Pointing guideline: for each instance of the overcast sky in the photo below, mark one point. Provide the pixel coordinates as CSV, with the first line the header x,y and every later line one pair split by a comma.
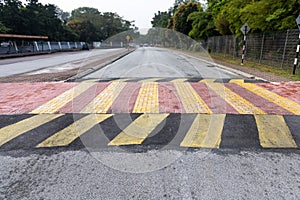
x,y
141,11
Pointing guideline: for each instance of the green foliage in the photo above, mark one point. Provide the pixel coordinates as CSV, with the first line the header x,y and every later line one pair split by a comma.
x,y
161,19
34,18
271,15
228,16
3,29
181,23
263,15
102,25
202,25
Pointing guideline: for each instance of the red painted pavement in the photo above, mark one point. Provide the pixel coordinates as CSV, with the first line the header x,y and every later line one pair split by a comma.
x,y
258,101
290,90
19,98
212,100
169,101
126,100
81,101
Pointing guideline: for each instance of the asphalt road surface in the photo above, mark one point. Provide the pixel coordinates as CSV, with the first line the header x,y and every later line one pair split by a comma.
x,y
194,138
9,67
148,62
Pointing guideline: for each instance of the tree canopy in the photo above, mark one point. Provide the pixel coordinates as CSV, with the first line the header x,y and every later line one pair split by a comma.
x,y
224,17
83,24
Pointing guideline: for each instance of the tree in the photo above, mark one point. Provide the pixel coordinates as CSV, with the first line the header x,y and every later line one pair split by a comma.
x,y
33,18
181,23
161,19
104,25
10,16
263,15
63,16
84,29
202,25
178,3
271,15
3,29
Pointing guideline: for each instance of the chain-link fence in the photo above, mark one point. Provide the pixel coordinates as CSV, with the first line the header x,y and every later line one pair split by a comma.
x,y
275,49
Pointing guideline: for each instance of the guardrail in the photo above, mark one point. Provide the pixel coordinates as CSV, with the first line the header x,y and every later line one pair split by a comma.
x,y
12,47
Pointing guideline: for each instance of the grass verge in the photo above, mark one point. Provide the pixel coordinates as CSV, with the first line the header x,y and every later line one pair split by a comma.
x,y
286,73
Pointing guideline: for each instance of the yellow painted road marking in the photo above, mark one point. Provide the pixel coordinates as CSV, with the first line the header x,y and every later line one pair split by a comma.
x,y
207,81
147,100
137,131
205,132
273,132
191,101
179,80
105,99
236,81
75,130
61,100
240,104
275,98
150,80
12,131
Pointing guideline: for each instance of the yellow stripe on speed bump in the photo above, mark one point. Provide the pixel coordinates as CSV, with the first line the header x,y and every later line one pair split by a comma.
x,y
75,130
150,80
191,101
236,81
147,100
275,98
58,102
205,132
179,80
239,103
105,99
12,131
207,81
273,132
137,131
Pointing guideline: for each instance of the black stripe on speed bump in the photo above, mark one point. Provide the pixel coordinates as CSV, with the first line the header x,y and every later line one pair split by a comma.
x,y
255,81
293,122
107,80
35,136
194,80
6,120
166,80
168,132
240,132
100,135
224,80
136,79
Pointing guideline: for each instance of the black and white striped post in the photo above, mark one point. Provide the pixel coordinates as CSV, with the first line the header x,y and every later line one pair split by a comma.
x,y
298,48
244,49
245,29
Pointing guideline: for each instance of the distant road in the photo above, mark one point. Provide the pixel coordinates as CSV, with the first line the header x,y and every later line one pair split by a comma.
x,y
155,62
22,65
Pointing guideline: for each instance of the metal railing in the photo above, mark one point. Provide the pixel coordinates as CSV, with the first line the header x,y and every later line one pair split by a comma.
x,y
13,47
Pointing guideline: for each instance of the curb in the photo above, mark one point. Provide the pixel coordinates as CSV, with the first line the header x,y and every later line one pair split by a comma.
x,y
89,71
249,76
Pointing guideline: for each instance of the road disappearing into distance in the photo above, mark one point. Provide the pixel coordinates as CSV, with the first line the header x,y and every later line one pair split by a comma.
x,y
149,62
